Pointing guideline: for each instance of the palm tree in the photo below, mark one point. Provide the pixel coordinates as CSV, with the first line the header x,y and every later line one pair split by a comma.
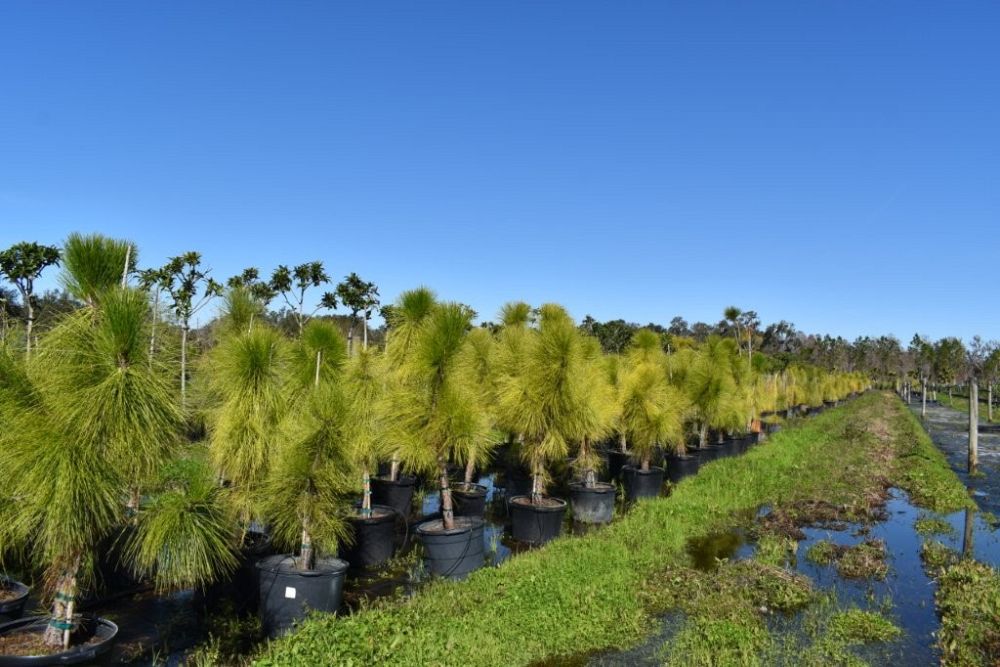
x,y
86,420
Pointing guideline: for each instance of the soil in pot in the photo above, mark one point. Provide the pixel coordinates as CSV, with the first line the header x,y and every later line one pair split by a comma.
x,y
679,467
373,538
642,483
536,523
469,499
21,642
594,504
287,594
13,598
395,494
454,552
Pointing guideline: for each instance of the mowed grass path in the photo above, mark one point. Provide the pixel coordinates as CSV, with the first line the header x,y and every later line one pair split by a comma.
x,y
586,593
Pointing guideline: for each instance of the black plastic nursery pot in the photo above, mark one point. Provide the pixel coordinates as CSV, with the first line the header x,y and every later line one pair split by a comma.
x,y
617,459
729,447
455,552
396,494
708,453
592,504
642,483
288,594
373,538
91,644
469,499
17,597
536,524
679,467
772,427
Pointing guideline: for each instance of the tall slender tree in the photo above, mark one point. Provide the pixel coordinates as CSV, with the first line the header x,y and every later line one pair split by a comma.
x,y
293,283
361,298
190,289
22,264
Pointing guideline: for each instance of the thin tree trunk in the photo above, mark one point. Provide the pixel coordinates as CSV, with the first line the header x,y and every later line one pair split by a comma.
x,y
394,468
703,436
30,326
967,534
184,339
589,476
366,496
306,552
365,344
622,444
152,328
537,486
350,340
923,392
319,363
447,508
973,426
59,630
989,403
470,470
644,466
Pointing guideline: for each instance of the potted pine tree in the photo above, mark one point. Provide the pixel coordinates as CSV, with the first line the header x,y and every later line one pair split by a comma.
x,y
712,391
99,414
651,413
404,320
435,417
307,483
545,400
593,502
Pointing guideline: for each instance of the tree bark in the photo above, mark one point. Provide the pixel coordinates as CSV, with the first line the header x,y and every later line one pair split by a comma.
x,y
184,338
30,326
703,436
59,630
967,534
350,340
306,553
644,465
365,343
973,426
394,468
923,394
366,496
447,508
537,486
470,470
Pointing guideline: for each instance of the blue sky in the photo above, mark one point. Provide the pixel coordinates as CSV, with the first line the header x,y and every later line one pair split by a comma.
x,y
835,164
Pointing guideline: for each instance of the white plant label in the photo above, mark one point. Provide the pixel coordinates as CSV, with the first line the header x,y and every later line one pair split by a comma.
x,y
289,592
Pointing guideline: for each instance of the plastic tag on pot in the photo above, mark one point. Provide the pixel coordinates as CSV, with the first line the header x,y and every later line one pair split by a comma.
x,y
289,592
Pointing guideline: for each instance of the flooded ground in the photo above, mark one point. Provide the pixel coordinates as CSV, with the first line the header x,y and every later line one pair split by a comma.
x,y
905,595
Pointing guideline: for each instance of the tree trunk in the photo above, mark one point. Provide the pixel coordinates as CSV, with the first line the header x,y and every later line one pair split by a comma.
x,y
152,328
537,486
447,508
30,325
470,470
350,340
306,553
703,436
973,426
989,403
923,399
365,344
394,468
184,340
589,476
622,445
967,534
366,496
644,466
319,364
60,627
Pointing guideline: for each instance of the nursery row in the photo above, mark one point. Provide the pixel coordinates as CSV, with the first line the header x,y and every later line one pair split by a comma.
x,y
277,442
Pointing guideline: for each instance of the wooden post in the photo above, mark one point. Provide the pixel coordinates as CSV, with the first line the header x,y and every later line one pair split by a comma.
x,y
973,426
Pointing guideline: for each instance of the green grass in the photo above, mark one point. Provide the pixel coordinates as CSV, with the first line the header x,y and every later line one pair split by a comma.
x,y
857,626
581,594
968,601
932,525
961,404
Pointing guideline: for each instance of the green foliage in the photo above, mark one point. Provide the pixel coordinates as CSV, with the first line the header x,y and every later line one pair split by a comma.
x,y
858,626
579,594
183,537
94,264
968,602
932,525
711,387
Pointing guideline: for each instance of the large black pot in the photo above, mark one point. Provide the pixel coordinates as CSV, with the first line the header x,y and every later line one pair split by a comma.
x,y
642,483
395,494
536,524
617,459
708,453
594,504
452,553
469,499
729,447
517,482
679,467
772,427
87,650
373,538
12,609
288,594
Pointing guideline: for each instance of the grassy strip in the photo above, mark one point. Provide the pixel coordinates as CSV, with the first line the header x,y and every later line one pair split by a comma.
x,y
582,594
962,405
968,600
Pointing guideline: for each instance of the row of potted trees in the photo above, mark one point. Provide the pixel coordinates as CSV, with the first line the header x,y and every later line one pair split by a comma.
x,y
94,450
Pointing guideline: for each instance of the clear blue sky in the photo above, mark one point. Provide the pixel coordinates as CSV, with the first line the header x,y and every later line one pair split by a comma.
x,y
836,164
